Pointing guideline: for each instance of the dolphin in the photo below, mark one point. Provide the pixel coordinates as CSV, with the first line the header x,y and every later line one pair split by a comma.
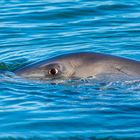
x,y
80,65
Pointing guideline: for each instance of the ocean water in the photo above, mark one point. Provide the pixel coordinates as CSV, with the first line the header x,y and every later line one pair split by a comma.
x,y
78,110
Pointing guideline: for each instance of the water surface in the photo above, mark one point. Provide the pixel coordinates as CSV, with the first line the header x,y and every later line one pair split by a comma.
x,y
37,30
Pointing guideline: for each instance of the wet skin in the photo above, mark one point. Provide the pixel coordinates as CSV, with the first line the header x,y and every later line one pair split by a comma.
x,y
80,65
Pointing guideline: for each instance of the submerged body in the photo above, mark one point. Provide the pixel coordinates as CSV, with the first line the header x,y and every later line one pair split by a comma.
x,y
82,65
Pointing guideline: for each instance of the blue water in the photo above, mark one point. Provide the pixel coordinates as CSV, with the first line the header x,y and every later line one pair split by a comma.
x,y
37,30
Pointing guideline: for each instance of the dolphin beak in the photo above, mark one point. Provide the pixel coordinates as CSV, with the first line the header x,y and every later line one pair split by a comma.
x,y
30,74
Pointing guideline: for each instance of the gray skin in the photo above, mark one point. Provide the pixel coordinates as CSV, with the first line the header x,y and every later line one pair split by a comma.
x,y
82,65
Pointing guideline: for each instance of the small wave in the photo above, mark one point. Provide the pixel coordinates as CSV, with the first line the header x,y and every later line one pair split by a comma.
x,y
69,138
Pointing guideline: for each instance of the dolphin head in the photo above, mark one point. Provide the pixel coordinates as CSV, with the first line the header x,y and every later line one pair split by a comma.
x,y
55,68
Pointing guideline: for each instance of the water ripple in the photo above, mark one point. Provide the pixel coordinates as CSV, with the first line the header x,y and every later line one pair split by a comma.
x,y
37,30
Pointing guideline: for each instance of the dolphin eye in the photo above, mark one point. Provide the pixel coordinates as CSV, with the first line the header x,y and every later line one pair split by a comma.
x,y
53,71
